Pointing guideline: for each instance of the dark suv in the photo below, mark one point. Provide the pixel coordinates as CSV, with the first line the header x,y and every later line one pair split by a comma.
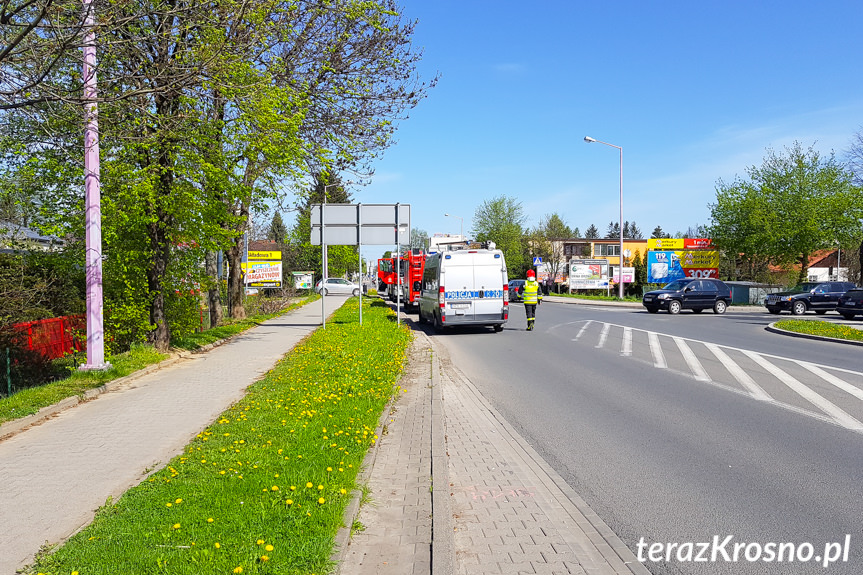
x,y
694,294
851,303
516,290
819,297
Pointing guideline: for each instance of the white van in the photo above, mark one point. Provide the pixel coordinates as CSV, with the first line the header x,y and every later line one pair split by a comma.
x,y
465,287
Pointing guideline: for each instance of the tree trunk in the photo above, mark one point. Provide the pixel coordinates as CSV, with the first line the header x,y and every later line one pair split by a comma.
x,y
214,297
160,337
804,269
235,280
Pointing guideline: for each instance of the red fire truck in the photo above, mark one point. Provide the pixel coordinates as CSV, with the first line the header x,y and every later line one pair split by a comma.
x,y
386,275
412,266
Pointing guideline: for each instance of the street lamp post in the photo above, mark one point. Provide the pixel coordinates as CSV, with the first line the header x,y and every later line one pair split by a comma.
x,y
589,140
461,224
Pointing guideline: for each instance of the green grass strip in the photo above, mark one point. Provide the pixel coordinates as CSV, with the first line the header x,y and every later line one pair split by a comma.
x,y
31,400
822,328
264,488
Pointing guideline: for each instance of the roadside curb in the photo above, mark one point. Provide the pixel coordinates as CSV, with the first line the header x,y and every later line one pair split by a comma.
x,y
772,328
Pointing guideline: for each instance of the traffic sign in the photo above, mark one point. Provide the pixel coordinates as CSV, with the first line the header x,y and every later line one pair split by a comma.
x,y
537,261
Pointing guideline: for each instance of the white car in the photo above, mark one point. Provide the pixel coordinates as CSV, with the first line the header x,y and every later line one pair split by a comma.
x,y
338,285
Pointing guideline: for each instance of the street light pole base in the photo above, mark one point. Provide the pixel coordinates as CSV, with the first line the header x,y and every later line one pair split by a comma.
x,y
95,367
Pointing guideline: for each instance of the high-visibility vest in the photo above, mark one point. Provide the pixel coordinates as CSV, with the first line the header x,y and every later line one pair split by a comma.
x,y
531,293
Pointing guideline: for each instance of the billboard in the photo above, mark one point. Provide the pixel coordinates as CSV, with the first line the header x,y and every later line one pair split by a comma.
x,y
588,274
679,244
667,266
264,269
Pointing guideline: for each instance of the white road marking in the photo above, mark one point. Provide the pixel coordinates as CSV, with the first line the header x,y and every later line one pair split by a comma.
x,y
838,415
656,350
694,365
830,378
739,374
626,344
603,335
581,331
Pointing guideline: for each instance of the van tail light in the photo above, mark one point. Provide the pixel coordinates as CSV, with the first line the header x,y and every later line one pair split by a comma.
x,y
440,301
505,296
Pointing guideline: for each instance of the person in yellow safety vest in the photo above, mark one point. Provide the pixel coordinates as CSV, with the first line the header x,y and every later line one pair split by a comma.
x,y
532,295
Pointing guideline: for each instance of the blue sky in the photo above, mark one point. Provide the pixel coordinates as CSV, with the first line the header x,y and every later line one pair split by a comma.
x,y
692,91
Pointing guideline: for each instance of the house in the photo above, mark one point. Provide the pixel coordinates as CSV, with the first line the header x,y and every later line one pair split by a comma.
x,y
15,237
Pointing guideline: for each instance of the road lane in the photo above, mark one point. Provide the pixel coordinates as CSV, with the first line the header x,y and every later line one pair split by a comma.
x,y
661,455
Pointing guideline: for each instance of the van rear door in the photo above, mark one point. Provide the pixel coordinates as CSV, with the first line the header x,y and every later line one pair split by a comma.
x,y
488,282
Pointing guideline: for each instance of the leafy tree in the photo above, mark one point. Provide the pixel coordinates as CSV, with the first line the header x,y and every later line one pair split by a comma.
x,y
546,243
640,266
795,203
502,220
592,233
419,238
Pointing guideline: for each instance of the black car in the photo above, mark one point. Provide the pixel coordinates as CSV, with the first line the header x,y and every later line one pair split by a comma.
x,y
694,294
850,303
516,290
819,297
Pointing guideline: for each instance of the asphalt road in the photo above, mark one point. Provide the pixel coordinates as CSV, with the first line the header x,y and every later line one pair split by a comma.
x,y
679,429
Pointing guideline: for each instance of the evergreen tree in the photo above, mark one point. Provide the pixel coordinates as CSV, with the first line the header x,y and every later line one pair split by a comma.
x,y
277,231
613,230
592,233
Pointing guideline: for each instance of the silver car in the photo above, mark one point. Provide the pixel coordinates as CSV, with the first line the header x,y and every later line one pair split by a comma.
x,y
338,285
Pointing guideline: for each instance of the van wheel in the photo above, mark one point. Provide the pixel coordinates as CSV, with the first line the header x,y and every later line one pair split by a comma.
x,y
720,306
498,327
674,307
438,324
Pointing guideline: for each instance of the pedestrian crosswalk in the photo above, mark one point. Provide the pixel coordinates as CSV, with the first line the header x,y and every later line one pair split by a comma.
x,y
824,392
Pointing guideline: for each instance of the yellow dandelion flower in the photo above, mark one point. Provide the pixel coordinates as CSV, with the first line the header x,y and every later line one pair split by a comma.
x,y
329,468
269,548
275,488
260,541
321,500
293,487
309,485
289,502
343,490
168,504
178,501
320,487
238,569
218,546
264,558
176,525
210,519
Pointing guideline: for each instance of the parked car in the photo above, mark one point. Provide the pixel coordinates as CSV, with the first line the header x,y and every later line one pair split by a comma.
x,y
516,290
338,285
819,297
850,303
695,294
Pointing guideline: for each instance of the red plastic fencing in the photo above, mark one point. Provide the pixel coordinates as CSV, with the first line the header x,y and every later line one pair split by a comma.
x,y
54,337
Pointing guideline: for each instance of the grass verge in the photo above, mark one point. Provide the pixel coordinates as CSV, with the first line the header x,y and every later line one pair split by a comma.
x,y
31,400
264,488
822,328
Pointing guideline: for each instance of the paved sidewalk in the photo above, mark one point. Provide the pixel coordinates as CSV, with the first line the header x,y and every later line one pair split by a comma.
x,y
455,489
54,475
